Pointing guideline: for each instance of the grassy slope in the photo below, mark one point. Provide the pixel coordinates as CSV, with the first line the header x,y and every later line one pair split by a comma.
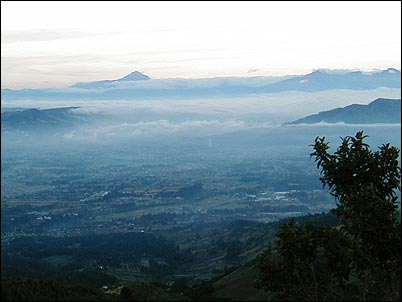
x,y
239,285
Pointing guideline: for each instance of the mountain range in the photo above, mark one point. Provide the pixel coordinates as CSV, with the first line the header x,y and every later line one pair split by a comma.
x,y
34,119
323,80
378,111
137,85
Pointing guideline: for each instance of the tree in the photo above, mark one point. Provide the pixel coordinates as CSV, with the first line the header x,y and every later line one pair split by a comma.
x,y
364,184
361,258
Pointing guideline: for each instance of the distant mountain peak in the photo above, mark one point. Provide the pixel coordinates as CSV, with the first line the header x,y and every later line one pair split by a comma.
x,y
328,71
392,70
316,72
134,76
320,73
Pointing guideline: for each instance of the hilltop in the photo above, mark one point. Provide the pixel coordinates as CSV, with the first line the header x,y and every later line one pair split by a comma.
x,y
378,111
36,119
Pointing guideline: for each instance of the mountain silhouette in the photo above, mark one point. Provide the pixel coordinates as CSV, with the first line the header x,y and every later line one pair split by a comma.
x,y
379,111
132,86
324,80
34,119
133,76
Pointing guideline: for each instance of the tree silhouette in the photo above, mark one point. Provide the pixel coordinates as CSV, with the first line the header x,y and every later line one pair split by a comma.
x,y
361,258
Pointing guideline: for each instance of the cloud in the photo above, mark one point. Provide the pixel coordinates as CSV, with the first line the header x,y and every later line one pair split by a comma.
x,y
86,110
154,129
41,36
272,109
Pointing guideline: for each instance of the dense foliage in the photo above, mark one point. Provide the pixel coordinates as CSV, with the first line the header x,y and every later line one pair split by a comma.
x,y
361,258
82,260
23,289
29,289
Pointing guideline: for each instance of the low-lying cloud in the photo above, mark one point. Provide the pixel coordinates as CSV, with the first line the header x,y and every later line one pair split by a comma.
x,y
155,129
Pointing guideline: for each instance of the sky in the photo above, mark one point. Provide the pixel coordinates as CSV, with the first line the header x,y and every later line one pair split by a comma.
x,y
59,43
